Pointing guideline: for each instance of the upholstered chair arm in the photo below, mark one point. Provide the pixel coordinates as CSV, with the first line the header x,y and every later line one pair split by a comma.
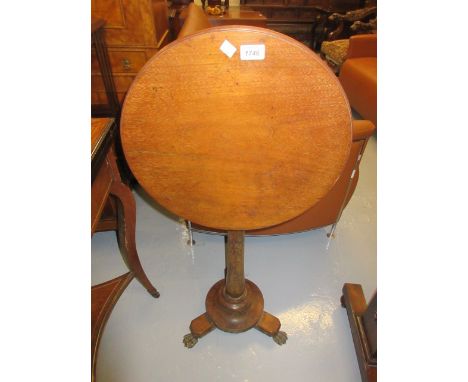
x,y
362,129
364,45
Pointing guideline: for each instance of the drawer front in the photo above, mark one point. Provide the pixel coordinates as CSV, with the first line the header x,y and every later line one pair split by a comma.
x,y
121,83
100,98
127,61
121,61
125,64
100,192
98,92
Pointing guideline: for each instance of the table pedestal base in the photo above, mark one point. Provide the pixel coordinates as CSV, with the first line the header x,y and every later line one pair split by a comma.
x,y
234,315
234,304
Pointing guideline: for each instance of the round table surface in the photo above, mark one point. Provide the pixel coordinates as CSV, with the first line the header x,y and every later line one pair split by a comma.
x,y
234,143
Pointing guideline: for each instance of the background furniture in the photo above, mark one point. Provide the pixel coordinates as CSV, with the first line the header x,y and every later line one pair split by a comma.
x,y
103,299
363,322
329,209
358,75
231,162
304,20
134,31
239,16
300,19
193,18
340,27
112,108
352,22
211,3
106,183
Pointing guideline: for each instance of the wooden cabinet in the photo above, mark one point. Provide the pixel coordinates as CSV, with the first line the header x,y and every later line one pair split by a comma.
x,y
299,18
134,31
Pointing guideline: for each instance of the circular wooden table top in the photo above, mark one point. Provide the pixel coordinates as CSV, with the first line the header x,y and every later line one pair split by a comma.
x,y
236,144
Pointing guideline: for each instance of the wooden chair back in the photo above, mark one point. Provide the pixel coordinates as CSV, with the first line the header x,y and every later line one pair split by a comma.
x,y
196,20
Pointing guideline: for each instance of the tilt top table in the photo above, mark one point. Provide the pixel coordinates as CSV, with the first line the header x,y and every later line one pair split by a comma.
x,y
237,128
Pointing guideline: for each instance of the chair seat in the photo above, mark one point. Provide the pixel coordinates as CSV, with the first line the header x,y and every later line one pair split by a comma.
x,y
358,76
364,68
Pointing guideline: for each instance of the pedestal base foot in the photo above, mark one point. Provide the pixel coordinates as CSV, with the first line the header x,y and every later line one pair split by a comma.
x,y
234,304
280,338
270,325
199,327
235,319
189,340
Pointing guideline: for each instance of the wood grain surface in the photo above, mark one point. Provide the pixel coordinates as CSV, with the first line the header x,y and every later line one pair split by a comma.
x,y
99,129
103,299
236,144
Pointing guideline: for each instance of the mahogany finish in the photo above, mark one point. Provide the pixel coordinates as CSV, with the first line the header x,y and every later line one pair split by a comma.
x,y
328,210
234,304
235,284
103,67
106,182
226,143
103,299
363,323
100,130
300,19
106,186
108,219
134,30
303,20
231,155
239,16
232,16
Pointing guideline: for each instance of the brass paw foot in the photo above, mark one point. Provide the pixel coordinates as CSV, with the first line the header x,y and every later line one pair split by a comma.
x,y
280,338
190,341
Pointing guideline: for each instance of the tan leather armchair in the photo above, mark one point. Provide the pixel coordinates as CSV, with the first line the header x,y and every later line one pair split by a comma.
x,y
358,75
329,209
195,21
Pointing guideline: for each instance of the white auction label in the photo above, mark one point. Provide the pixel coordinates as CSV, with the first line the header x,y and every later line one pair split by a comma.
x,y
252,52
227,48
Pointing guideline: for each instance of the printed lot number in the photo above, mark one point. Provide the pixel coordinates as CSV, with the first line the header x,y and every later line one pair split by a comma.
x,y
252,52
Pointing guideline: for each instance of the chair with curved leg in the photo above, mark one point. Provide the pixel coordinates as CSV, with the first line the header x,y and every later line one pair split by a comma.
x,y
106,183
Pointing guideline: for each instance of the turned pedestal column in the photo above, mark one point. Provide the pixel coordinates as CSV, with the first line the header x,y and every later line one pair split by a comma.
x,y
234,304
